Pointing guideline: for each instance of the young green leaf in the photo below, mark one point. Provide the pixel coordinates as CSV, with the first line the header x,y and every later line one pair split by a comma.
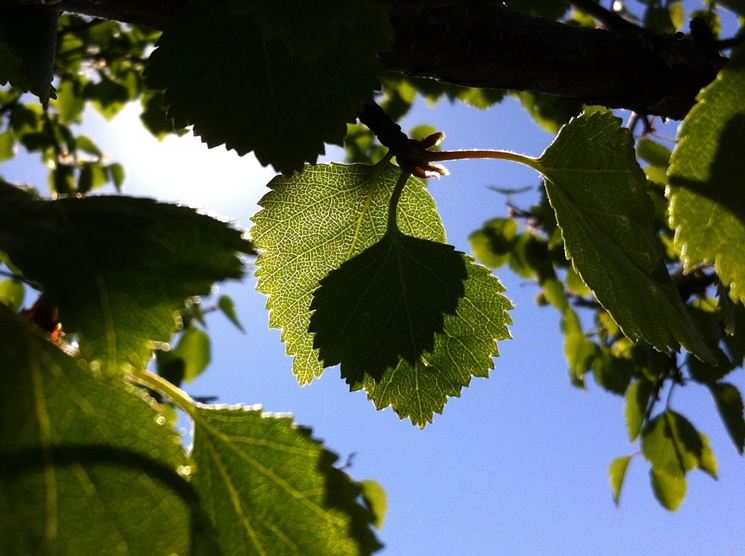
x,y
28,40
730,406
637,400
617,474
221,72
374,497
312,222
707,201
117,268
385,303
669,488
226,304
194,349
270,488
12,293
81,457
598,192
672,444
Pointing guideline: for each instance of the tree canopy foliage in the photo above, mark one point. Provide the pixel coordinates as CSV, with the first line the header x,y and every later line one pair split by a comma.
x,y
638,246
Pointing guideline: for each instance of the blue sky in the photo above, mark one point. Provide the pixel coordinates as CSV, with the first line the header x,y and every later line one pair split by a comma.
x,y
518,464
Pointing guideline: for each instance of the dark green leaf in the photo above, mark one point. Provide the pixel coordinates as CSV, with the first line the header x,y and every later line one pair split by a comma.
x,y
7,146
599,194
70,102
385,303
92,176
547,9
705,177
730,406
253,103
227,306
270,488
653,153
118,268
637,401
81,456
617,473
493,242
194,349
550,112
28,40
116,174
108,96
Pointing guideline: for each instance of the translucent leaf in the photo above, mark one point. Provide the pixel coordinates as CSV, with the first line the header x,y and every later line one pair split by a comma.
x,y
617,474
669,488
637,401
653,153
550,112
81,456
270,488
599,194
374,497
28,40
730,406
385,303
118,268
7,146
707,197
194,349
493,242
312,222
240,88
708,461
12,293
672,444
227,306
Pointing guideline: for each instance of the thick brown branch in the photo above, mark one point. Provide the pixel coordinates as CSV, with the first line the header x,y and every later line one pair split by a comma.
x,y
482,44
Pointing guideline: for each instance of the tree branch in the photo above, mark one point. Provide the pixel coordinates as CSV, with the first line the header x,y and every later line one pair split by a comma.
x,y
480,43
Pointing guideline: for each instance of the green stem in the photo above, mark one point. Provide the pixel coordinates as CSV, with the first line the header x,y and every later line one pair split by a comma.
x,y
395,197
176,394
484,153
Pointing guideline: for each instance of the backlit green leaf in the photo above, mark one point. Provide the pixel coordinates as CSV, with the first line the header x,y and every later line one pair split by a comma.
x,y
118,268
374,497
707,191
270,488
227,306
80,456
673,445
730,406
617,473
637,401
313,222
7,146
12,293
241,88
194,349
599,194
669,488
385,303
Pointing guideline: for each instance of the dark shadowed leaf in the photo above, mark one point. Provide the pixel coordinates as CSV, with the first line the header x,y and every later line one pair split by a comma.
x,y
385,303
270,488
194,349
80,456
599,194
241,87
28,39
637,401
118,268
730,406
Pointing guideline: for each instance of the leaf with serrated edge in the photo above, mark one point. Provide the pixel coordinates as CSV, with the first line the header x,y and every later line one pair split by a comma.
x,y
239,88
117,268
706,191
598,192
270,488
385,303
72,449
311,223
617,474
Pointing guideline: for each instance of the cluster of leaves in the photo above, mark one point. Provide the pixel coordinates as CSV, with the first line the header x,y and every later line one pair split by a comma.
x,y
355,264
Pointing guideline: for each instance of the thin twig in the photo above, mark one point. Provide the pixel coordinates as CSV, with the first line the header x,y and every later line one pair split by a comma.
x,y
22,279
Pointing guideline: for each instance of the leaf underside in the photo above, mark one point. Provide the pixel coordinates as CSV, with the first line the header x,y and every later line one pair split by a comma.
x,y
270,488
707,179
117,268
237,81
598,192
72,447
313,222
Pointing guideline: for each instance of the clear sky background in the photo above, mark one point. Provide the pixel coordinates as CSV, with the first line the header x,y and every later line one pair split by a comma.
x,y
518,464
